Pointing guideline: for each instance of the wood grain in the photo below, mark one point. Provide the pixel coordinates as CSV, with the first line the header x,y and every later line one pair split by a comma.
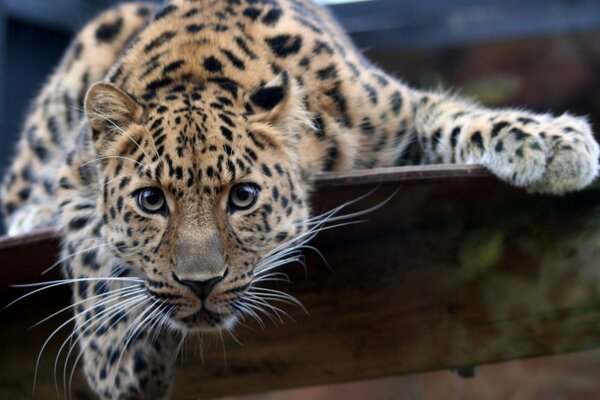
x,y
456,270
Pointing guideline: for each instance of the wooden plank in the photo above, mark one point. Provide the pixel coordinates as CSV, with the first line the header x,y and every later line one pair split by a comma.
x,y
456,270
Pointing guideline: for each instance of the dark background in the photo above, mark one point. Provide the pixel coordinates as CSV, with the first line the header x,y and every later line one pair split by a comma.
x,y
543,54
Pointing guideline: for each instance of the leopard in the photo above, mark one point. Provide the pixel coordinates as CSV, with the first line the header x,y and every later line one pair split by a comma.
x,y
176,146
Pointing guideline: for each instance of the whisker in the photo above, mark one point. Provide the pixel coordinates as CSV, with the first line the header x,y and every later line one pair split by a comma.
x,y
143,301
56,264
153,142
178,348
80,331
256,298
113,294
258,302
115,157
277,295
53,284
122,131
137,326
68,321
244,308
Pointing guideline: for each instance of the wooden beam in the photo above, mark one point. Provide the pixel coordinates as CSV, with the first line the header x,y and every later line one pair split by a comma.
x,y
456,270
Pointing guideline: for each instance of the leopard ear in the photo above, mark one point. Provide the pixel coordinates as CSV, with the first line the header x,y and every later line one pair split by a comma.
x,y
109,110
277,101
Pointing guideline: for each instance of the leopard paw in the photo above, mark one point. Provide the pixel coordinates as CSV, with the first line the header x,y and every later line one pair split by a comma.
x,y
553,156
572,162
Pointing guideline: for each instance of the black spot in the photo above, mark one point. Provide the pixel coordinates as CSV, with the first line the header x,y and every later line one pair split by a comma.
x,y
499,148
191,13
82,289
367,127
281,236
195,28
211,64
535,146
498,127
174,66
139,363
54,130
24,193
244,47
272,16
251,13
165,11
322,47
319,126
285,45
227,120
77,50
331,161
266,170
520,152
231,169
158,84
107,32
519,134
336,96
396,102
27,173
210,172
454,136
227,133
527,121
435,139
226,84
237,62
143,12
90,260
477,140
329,72
78,223
269,97
372,93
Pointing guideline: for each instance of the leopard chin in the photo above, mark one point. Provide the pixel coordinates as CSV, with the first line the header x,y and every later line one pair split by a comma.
x,y
204,320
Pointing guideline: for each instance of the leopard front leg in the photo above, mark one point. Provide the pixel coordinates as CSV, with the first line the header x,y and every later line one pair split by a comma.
x,y
539,152
118,369
124,354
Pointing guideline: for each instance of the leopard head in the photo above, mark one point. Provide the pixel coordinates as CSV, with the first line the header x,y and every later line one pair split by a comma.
x,y
202,191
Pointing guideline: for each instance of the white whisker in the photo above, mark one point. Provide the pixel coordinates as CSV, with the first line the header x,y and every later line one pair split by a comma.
x,y
53,284
113,294
56,264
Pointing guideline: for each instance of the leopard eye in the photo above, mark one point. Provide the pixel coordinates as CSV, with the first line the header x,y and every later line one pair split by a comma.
x,y
151,200
243,196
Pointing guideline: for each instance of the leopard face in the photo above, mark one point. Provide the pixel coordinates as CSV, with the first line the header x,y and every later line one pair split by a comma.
x,y
198,188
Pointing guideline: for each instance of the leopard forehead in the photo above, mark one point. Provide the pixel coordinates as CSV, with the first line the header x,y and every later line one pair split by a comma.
x,y
198,142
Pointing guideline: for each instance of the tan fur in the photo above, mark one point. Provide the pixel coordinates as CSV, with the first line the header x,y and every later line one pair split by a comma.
x,y
196,101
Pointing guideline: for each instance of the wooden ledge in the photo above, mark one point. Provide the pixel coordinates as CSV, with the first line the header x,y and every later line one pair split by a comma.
x,y
458,269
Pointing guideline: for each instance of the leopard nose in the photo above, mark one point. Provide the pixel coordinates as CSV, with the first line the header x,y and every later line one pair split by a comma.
x,y
202,288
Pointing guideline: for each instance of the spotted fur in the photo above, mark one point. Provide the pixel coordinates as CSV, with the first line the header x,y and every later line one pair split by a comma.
x,y
195,98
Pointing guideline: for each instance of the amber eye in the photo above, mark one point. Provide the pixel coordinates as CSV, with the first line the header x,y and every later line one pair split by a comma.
x,y
151,200
243,196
